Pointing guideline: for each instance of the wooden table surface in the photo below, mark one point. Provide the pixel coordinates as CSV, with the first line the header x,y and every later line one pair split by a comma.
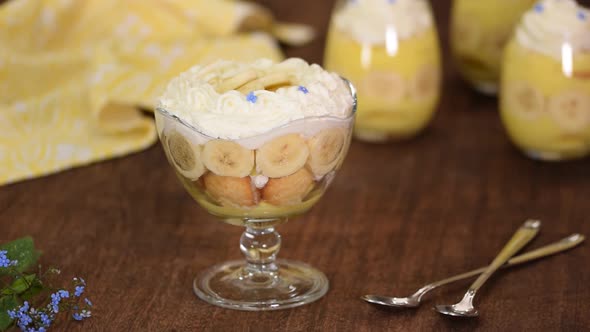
x,y
396,217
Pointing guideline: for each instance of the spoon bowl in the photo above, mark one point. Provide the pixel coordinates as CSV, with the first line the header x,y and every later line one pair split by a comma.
x,y
451,310
400,302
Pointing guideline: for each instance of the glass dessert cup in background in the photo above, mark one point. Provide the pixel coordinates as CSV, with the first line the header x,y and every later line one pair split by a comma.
x,y
398,77
545,95
479,32
545,101
301,159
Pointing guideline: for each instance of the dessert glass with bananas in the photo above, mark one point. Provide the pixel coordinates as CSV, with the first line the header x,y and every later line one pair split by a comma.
x,y
389,50
256,144
545,94
479,32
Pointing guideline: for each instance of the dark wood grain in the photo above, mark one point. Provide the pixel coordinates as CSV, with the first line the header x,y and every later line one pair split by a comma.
x,y
397,216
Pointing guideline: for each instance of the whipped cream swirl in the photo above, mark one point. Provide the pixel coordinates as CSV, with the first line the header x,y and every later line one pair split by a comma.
x,y
232,115
371,21
552,25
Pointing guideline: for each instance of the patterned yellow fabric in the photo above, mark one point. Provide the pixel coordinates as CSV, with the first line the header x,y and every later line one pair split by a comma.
x,y
74,72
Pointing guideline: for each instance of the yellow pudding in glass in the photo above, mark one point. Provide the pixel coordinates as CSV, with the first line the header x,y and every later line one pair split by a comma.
x,y
390,51
545,95
479,32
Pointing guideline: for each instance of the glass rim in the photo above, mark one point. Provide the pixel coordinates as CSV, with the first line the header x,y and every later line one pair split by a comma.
x,y
163,111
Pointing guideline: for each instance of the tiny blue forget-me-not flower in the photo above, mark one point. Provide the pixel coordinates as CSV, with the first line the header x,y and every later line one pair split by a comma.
x,y
78,291
5,261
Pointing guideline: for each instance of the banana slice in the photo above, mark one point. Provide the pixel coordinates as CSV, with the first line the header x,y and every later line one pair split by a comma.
x,y
268,80
425,84
383,85
227,158
289,190
210,72
282,156
524,100
571,110
325,150
184,155
237,80
231,191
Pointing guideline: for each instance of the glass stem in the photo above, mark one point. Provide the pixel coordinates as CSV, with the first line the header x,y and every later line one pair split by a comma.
x,y
260,247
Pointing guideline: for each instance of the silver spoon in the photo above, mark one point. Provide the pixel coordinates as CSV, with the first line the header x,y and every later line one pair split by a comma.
x,y
521,237
414,300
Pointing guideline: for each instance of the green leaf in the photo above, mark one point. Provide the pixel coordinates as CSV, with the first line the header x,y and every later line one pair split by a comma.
x,y
32,292
20,285
23,250
6,303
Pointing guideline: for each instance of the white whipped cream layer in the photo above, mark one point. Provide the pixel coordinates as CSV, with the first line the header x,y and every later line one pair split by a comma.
x,y
553,27
374,21
233,115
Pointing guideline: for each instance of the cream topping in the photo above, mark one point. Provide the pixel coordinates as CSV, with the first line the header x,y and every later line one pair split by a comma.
x,y
375,21
232,115
553,27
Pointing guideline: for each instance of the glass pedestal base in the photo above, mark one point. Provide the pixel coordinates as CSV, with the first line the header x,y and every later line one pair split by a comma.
x,y
233,285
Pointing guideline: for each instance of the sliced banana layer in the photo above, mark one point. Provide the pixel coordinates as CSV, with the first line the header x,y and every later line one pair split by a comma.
x,y
524,100
289,190
231,191
570,110
387,86
227,158
325,150
185,156
425,84
282,156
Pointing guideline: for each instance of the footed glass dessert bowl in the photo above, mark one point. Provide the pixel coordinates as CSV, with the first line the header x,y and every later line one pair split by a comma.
x,y
257,176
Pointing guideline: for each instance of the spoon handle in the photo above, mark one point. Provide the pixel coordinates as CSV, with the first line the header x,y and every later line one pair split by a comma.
x,y
521,237
550,249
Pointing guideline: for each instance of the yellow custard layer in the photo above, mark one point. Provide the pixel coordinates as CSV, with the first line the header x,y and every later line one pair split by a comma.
x,y
479,31
398,87
545,107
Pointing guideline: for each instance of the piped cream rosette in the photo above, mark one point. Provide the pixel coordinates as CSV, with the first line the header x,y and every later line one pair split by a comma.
x,y
260,132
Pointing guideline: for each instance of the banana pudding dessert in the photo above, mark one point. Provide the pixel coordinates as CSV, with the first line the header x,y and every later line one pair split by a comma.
x,y
545,95
255,141
390,51
479,32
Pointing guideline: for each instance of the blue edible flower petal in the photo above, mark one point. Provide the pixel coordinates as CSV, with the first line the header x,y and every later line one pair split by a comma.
x,y
251,97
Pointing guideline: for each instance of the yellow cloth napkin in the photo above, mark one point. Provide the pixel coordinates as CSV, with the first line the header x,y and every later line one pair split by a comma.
x,y
74,72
